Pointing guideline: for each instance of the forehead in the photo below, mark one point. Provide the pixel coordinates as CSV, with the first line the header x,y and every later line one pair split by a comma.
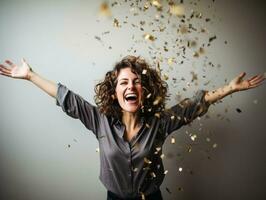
x,y
126,73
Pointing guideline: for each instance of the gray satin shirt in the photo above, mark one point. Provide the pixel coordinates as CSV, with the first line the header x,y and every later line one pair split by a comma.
x,y
132,168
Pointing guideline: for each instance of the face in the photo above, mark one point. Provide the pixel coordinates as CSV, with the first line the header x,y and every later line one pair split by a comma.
x,y
128,90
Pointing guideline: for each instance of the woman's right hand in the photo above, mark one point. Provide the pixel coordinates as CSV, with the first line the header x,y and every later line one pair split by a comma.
x,y
15,71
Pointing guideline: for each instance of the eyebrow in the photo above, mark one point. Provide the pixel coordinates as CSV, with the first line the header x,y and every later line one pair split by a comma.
x,y
126,79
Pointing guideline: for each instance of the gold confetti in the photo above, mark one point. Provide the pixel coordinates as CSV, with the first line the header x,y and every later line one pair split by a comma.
x,y
177,10
149,37
153,174
208,139
162,156
157,100
158,148
144,71
147,125
146,160
135,169
170,61
183,29
142,196
172,140
166,171
97,150
180,169
157,4
104,9
214,145
172,117
193,137
196,54
157,115
116,23
148,96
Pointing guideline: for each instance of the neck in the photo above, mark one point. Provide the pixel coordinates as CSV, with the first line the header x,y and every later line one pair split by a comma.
x,y
131,120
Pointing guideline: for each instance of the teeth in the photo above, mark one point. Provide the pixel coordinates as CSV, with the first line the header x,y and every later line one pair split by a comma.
x,y
131,95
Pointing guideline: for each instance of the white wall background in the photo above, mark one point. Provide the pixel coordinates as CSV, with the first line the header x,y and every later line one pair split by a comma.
x,y
57,38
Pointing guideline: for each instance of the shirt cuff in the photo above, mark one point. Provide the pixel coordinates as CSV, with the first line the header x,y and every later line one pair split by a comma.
x,y
61,94
202,103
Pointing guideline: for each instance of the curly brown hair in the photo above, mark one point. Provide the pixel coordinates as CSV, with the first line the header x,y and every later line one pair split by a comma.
x,y
154,88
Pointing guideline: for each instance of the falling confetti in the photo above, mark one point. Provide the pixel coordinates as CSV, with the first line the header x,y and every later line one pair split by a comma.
x,y
172,140
104,9
177,10
149,37
238,110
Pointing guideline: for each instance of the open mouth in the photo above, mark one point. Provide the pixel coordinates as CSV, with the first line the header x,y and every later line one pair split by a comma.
x,y
131,98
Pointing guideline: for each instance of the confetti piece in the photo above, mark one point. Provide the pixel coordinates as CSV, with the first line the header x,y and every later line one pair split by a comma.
x,y
162,156
144,71
157,3
153,174
167,189
193,137
180,169
166,171
238,110
104,9
158,148
172,140
157,115
212,38
157,100
135,169
214,145
97,150
149,37
177,10
146,160
116,23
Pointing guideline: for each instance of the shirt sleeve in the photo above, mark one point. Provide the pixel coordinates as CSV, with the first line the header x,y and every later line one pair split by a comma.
x,y
185,112
75,106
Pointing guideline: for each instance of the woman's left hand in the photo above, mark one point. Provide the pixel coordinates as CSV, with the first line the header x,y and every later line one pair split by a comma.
x,y
238,84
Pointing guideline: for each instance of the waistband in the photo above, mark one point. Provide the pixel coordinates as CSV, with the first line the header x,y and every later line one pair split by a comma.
x,y
153,196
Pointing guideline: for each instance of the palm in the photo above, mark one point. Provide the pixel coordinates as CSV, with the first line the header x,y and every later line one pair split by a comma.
x,y
14,70
238,84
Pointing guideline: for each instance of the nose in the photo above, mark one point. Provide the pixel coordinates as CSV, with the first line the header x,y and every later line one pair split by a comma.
x,y
131,85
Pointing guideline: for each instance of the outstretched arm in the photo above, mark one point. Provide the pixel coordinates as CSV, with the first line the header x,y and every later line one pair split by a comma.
x,y
236,85
25,72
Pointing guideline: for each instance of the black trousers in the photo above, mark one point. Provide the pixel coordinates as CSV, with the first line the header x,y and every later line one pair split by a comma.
x,y
154,196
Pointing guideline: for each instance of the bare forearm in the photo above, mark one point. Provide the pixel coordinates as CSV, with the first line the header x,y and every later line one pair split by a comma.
x,y
215,95
46,85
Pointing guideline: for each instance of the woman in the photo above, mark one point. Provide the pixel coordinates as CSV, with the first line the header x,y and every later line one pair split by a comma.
x,y
130,121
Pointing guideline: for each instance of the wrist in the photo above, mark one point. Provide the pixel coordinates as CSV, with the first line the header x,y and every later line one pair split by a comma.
x,y
30,75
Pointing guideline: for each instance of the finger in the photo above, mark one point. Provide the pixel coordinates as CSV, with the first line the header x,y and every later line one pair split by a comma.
x,y
257,85
5,74
257,81
240,76
10,63
24,61
5,69
252,78
257,78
